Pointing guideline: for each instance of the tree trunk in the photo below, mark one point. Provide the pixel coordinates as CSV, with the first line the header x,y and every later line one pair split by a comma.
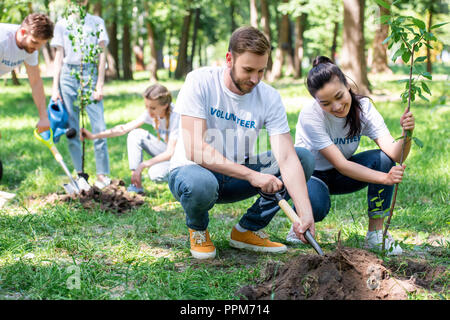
x,y
430,20
265,24
182,62
169,46
112,52
153,63
380,58
138,51
126,43
334,43
300,26
353,59
48,51
194,39
283,52
253,14
233,20
98,8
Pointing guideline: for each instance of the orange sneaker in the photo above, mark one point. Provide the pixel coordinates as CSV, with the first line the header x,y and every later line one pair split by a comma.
x,y
255,241
201,245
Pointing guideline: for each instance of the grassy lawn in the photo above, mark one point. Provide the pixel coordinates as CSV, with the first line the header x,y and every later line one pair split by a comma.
x,y
144,254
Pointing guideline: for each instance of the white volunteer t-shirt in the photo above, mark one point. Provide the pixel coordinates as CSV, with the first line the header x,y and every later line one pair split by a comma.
x,y
233,121
174,123
11,56
92,24
317,129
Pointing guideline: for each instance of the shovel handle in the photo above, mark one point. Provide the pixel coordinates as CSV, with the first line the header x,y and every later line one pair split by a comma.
x,y
284,205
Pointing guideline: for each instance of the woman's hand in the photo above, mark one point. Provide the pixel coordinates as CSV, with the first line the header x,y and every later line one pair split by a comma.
x,y
136,177
407,121
395,175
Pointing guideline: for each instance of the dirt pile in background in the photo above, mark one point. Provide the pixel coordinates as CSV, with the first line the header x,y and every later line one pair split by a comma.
x,y
113,198
345,274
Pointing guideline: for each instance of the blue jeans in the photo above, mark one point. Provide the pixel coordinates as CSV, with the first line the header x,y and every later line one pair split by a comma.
x,y
198,189
69,85
324,183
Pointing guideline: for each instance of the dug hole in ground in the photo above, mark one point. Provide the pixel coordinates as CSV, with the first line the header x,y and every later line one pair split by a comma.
x,y
344,274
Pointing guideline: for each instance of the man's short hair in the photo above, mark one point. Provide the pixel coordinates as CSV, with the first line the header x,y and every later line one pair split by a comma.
x,y
249,39
39,25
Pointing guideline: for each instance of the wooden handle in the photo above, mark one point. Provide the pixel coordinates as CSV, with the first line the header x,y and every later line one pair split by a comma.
x,y
284,205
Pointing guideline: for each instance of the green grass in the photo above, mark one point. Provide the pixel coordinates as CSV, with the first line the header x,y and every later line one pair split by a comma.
x,y
144,254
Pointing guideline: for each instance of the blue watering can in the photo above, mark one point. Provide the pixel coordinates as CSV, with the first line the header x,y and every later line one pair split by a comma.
x,y
58,118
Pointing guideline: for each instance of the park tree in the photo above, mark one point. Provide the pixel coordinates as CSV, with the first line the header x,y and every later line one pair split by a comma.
x,y
265,28
153,61
353,57
380,57
283,52
126,41
182,62
254,13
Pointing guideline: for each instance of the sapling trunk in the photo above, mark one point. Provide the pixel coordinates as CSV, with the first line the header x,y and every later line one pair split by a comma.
x,y
405,137
82,113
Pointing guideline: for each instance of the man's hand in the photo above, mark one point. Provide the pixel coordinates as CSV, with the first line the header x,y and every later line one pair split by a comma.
x,y
307,222
56,96
98,93
86,134
266,182
43,125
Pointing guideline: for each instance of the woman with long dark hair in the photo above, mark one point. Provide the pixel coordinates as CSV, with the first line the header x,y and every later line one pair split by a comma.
x,y
331,128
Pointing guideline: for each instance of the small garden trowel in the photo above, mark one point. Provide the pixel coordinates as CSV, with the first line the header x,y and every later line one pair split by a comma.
x,y
75,186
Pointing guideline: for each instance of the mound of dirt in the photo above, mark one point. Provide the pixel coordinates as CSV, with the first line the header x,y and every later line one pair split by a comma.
x,y
113,198
345,274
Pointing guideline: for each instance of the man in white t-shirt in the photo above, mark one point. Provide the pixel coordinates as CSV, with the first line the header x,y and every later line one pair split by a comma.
x,y
66,85
222,111
20,44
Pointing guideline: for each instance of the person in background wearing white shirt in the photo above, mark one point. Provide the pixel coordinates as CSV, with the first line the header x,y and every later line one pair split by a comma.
x,y
65,88
222,110
159,115
20,44
331,128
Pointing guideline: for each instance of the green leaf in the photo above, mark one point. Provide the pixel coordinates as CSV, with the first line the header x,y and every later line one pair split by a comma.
x,y
419,23
385,18
383,4
418,142
438,25
425,88
423,97
405,56
427,75
398,53
420,59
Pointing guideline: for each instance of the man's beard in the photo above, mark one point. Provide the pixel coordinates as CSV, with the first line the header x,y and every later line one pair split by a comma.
x,y
238,83
22,45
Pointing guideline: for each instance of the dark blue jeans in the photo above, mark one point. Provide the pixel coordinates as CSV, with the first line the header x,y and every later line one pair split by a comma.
x,y
198,189
324,183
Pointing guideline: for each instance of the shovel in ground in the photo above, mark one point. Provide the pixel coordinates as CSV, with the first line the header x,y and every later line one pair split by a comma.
x,y
46,138
284,205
